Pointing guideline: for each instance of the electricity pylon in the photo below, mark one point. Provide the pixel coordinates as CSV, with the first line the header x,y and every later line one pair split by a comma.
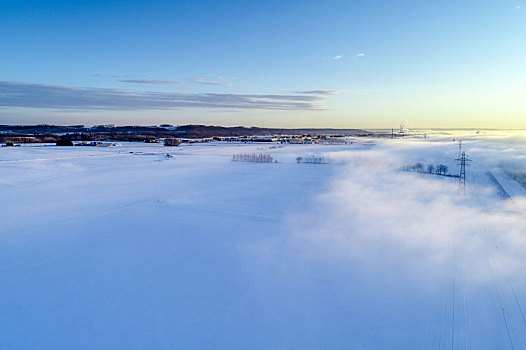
x,y
463,161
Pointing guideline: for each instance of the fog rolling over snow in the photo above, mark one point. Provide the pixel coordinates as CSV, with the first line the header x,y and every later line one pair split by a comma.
x,y
107,249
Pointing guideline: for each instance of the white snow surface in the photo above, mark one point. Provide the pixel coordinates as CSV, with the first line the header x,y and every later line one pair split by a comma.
x,y
125,248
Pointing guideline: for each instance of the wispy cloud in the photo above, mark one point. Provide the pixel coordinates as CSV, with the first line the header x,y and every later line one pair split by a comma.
x,y
15,94
337,57
517,7
339,92
149,81
323,92
361,54
128,76
220,81
142,79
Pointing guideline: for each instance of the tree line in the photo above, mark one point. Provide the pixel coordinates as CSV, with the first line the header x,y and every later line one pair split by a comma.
x,y
439,169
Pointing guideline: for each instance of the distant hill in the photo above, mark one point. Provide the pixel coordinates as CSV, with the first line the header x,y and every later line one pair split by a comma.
x,y
52,133
199,131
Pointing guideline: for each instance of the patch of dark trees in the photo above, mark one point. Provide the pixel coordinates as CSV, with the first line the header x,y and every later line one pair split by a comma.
x,y
439,169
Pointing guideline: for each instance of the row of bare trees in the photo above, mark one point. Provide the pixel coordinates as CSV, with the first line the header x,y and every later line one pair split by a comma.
x,y
312,159
439,169
253,157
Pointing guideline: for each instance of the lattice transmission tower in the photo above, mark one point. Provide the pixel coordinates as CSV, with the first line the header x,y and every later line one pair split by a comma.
x,y
463,161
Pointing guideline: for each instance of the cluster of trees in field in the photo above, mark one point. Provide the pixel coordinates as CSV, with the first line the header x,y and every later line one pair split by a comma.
x,y
312,159
253,157
22,138
172,142
439,169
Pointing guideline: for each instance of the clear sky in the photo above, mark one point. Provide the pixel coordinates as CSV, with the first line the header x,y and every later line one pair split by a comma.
x,y
264,63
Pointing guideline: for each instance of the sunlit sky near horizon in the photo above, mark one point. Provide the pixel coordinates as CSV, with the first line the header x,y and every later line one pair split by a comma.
x,y
366,64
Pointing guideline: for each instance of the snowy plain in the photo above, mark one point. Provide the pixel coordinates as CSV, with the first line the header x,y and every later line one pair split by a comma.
x,y
125,248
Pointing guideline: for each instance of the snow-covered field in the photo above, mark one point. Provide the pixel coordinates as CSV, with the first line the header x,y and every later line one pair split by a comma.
x,y
102,248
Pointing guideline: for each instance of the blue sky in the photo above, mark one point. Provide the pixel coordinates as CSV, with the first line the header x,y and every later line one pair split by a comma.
x,y
271,63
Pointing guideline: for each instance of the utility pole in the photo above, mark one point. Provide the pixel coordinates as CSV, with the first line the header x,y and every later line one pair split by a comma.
x,y
463,161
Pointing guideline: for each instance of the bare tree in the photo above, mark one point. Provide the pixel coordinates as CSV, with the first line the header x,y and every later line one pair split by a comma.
x,y
442,169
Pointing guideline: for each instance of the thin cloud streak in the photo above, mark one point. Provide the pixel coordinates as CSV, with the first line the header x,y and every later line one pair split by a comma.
x,y
128,76
337,57
15,94
323,92
219,82
149,81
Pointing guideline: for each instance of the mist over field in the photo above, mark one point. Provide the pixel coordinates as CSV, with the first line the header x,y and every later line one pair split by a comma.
x,y
127,248
414,221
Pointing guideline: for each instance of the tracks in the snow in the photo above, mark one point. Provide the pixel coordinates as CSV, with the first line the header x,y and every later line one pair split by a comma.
x,y
454,305
509,304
